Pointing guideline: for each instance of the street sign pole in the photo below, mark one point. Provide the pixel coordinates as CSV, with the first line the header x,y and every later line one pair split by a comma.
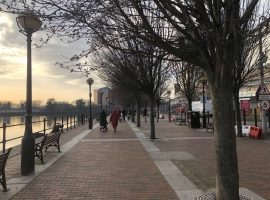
x,y
263,112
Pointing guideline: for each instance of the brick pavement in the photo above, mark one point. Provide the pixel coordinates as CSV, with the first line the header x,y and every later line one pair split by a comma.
x,y
13,163
253,156
104,173
102,166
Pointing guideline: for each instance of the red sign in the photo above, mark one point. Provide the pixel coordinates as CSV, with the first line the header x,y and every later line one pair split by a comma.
x,y
245,104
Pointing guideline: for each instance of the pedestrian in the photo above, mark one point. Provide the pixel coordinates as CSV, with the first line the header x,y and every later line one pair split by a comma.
x,y
124,112
129,115
114,119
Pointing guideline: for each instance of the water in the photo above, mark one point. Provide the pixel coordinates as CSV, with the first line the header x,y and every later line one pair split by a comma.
x,y
18,131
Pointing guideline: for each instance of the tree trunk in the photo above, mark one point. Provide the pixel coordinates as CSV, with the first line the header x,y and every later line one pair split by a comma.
x,y
157,114
152,120
225,142
189,104
132,114
238,114
138,112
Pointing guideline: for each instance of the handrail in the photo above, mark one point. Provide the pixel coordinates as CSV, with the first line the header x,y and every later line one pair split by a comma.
x,y
71,122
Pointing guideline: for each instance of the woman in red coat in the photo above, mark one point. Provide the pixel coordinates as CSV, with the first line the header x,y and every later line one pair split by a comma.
x,y
114,119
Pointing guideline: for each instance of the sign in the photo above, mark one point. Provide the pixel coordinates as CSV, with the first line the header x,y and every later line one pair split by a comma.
x,y
265,105
264,97
245,104
264,89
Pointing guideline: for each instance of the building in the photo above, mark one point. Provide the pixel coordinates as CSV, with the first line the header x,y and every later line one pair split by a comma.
x,y
102,97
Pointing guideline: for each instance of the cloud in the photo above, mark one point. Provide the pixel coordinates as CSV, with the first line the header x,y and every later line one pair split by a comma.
x,y
77,82
49,80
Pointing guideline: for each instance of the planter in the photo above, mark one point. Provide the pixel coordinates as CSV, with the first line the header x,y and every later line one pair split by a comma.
x,y
212,196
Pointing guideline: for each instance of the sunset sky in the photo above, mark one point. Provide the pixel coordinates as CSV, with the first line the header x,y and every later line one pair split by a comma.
x,y
49,80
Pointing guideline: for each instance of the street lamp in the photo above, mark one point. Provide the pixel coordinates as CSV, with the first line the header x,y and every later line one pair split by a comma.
x,y
169,94
101,94
28,23
90,81
107,102
203,93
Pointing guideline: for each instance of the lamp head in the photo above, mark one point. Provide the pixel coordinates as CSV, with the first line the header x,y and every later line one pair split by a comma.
x,y
89,81
28,22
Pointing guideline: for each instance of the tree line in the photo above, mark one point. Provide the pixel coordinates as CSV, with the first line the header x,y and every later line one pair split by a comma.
x,y
134,45
51,105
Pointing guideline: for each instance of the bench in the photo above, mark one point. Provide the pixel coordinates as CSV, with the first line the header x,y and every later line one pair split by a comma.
x,y
180,119
3,161
49,140
210,125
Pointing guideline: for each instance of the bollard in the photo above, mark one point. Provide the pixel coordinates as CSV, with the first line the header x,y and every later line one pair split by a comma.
x,y
54,119
74,120
255,116
67,123
244,117
44,126
81,119
4,136
70,119
62,124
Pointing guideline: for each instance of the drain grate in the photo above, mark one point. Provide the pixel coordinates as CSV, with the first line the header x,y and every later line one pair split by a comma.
x,y
212,196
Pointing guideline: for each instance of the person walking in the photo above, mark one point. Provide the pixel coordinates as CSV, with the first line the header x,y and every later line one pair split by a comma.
x,y
114,119
124,113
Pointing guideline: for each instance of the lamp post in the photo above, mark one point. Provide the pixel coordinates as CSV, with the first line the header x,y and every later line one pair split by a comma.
x,y
90,81
169,109
28,23
203,92
107,102
101,94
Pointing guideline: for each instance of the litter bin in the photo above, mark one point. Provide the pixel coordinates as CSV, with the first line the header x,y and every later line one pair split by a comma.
x,y
194,119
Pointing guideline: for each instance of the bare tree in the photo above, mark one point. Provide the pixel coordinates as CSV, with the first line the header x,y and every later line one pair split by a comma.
x,y
188,77
208,34
141,72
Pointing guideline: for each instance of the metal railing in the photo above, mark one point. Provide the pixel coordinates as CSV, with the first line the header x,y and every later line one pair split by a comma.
x,y
71,122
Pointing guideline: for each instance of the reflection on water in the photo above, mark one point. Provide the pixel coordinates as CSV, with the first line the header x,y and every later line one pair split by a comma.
x,y
18,131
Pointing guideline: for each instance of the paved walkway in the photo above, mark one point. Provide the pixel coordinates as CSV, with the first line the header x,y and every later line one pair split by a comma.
x,y
127,165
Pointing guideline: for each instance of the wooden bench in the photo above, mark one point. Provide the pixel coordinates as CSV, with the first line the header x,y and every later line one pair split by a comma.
x,y
3,161
49,140
210,125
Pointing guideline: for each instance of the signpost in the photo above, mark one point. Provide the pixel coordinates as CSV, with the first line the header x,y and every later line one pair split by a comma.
x,y
263,95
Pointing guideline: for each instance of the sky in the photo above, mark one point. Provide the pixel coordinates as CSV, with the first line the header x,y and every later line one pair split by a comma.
x,y
48,80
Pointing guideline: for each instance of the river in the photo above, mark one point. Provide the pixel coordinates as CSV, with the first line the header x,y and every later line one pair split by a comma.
x,y
18,130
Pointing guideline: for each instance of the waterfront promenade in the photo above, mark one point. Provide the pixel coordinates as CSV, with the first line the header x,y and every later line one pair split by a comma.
x,y
96,165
